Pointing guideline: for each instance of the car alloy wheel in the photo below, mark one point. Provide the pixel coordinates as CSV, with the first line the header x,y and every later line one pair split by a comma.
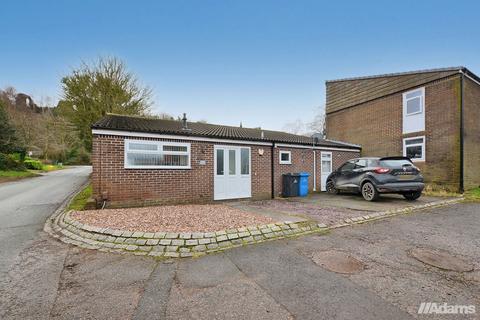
x,y
331,187
369,192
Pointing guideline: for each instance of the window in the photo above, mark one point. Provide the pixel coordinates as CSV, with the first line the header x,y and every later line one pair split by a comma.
x,y
413,111
361,163
156,155
245,161
349,166
285,157
414,102
414,148
232,162
220,164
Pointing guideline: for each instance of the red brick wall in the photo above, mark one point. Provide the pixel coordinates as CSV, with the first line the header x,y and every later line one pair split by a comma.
x,y
302,161
377,127
124,187
471,134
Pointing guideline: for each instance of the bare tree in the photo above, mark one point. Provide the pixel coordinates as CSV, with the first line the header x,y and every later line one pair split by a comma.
x,y
317,126
295,127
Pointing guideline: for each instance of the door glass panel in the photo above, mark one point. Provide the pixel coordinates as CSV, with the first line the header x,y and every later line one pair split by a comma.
x,y
325,166
231,162
245,161
220,165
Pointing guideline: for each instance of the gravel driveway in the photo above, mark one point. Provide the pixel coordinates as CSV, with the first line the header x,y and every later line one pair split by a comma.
x,y
178,218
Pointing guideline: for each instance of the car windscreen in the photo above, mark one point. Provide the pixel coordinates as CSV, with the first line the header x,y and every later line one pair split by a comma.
x,y
395,163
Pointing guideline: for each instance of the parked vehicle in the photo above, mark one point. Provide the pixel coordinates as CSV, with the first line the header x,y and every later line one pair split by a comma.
x,y
373,176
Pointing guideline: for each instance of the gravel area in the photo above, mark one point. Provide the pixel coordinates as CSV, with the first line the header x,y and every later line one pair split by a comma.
x,y
179,218
327,215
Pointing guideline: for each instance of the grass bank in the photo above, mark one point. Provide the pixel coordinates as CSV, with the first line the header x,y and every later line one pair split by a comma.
x,y
80,200
11,175
473,194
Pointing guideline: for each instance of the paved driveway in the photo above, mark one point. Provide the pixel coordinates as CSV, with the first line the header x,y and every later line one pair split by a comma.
x,y
276,280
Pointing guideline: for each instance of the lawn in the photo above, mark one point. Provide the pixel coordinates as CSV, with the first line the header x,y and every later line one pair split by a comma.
x,y
80,200
11,175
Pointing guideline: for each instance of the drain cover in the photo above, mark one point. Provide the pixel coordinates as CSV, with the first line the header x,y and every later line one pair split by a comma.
x,y
441,259
338,261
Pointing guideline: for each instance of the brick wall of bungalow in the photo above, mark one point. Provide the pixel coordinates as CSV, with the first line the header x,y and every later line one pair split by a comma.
x,y
133,187
377,126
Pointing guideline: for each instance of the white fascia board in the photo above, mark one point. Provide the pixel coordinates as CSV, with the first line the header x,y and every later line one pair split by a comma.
x,y
284,145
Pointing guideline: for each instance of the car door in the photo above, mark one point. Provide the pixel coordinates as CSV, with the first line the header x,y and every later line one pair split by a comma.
x,y
344,176
358,172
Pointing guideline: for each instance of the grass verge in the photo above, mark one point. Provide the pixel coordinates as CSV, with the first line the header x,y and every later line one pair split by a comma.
x,y
11,175
80,200
473,194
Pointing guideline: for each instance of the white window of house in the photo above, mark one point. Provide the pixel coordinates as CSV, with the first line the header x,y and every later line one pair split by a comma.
x,y
146,154
285,157
414,110
414,148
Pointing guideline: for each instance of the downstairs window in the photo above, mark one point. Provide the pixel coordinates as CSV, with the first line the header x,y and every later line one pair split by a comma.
x,y
414,148
146,154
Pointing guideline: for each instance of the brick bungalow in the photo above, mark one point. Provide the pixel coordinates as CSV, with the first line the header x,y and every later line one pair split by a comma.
x,y
431,116
140,161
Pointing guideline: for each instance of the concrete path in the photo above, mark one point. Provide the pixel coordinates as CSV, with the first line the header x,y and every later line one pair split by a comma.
x,y
26,204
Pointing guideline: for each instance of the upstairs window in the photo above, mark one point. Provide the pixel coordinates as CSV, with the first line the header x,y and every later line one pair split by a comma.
x,y
146,154
414,102
414,148
285,157
414,110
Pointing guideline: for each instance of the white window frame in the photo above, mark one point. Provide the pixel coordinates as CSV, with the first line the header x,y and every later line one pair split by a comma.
x,y
405,100
289,161
160,145
422,144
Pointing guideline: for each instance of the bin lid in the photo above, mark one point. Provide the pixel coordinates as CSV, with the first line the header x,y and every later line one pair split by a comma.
x,y
292,174
304,174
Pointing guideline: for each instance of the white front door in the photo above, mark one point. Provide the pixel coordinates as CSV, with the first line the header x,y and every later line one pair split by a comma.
x,y
232,177
326,168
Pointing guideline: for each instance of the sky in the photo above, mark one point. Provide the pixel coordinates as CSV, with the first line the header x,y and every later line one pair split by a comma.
x,y
259,62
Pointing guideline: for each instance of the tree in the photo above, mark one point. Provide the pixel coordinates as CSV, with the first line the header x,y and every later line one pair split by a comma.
x,y
317,126
92,91
295,127
8,139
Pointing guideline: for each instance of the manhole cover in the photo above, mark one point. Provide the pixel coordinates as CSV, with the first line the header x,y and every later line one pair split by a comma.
x,y
441,259
338,261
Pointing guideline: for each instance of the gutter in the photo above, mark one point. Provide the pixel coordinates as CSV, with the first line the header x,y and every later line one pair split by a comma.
x,y
462,169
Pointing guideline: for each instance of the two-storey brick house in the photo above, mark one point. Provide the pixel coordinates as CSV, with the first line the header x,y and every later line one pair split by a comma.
x,y
431,116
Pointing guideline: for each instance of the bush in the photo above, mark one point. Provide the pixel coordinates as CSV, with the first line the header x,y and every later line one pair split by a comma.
x,y
33,164
9,162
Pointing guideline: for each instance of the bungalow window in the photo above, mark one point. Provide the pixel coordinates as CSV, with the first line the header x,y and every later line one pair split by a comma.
x,y
156,155
285,157
414,148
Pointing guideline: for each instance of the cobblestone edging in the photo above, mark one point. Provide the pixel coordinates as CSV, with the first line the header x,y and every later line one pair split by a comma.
x,y
171,244
385,214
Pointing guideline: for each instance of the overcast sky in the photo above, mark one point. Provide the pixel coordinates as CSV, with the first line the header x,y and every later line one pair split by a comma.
x,y
260,62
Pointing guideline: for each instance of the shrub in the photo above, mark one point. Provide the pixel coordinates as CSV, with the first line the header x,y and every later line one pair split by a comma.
x,y
9,162
33,164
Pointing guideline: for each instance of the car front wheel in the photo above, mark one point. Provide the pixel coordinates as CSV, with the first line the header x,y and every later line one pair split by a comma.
x,y
331,187
369,192
412,195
